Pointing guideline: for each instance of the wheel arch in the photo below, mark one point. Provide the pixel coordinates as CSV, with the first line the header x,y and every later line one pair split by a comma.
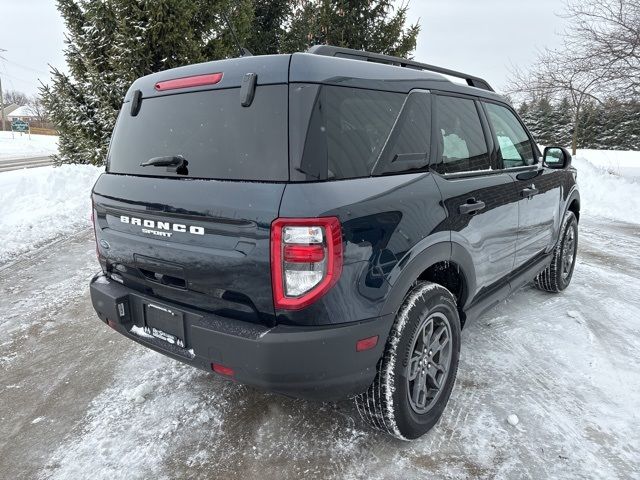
x,y
573,204
446,263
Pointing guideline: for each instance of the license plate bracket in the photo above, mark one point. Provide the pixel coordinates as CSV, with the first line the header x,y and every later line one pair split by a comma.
x,y
164,323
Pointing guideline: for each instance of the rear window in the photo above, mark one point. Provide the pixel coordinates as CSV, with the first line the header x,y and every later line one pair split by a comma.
x,y
217,136
353,132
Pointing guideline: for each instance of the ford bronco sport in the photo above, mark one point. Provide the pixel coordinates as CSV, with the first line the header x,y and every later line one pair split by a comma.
x,y
322,224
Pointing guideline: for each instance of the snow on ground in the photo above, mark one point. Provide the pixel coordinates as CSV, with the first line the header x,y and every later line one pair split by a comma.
x,y
620,163
94,403
607,194
40,204
19,145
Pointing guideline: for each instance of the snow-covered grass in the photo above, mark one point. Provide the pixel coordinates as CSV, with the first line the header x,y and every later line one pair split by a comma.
x,y
604,192
40,204
18,145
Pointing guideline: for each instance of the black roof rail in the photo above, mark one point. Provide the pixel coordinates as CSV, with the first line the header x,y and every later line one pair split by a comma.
x,y
341,52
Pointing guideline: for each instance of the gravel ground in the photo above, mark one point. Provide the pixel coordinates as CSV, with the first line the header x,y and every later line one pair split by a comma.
x,y
79,401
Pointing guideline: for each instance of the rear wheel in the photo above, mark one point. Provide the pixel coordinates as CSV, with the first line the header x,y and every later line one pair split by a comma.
x,y
557,276
417,372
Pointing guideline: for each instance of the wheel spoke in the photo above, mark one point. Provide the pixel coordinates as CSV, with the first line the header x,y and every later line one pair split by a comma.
x,y
414,366
427,333
419,388
435,344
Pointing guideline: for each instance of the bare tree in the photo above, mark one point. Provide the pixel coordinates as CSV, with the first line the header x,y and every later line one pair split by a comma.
x,y
563,73
14,96
608,32
37,108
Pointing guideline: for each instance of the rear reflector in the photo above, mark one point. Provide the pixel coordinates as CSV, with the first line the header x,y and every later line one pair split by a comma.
x,y
186,82
303,253
366,343
222,370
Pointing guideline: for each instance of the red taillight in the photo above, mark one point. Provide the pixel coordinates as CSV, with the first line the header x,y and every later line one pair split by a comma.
x,y
366,343
222,370
303,253
306,259
186,82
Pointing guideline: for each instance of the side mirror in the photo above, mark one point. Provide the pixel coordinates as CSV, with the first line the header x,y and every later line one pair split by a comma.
x,y
556,157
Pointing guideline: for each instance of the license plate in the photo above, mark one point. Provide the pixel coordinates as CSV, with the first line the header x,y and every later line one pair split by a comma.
x,y
165,324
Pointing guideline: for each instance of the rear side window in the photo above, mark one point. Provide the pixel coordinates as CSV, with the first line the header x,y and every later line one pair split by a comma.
x,y
348,133
462,144
218,137
407,148
516,150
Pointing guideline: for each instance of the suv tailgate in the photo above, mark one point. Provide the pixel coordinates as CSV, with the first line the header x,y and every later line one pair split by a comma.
x,y
204,243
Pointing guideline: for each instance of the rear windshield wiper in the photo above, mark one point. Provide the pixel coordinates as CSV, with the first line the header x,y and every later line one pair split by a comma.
x,y
169,161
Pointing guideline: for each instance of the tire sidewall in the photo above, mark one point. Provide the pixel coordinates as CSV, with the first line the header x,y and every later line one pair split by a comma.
x,y
409,423
569,223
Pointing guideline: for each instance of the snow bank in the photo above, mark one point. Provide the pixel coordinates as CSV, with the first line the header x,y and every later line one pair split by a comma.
x,y
620,163
606,194
39,204
20,146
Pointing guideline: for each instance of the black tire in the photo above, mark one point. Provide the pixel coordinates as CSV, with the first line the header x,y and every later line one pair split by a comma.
x,y
386,405
557,276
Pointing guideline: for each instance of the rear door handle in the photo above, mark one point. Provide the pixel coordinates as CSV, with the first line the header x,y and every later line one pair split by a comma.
x,y
472,206
530,192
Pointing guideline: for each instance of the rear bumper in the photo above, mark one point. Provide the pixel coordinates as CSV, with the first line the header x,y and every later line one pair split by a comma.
x,y
319,363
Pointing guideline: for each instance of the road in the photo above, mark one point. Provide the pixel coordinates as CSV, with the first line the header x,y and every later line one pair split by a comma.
x,y
8,164
79,401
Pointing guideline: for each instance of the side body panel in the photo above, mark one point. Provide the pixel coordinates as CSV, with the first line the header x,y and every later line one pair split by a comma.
x,y
539,215
489,236
386,222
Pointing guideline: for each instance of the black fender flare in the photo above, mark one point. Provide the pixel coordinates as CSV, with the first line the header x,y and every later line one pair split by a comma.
x,y
411,266
573,195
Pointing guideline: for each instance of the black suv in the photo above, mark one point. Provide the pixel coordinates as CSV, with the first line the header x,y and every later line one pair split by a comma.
x,y
322,224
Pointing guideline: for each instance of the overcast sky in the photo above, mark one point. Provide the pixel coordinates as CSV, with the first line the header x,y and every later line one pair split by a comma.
x,y
480,37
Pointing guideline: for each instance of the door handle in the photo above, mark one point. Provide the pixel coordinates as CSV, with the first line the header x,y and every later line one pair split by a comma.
x,y
530,192
471,207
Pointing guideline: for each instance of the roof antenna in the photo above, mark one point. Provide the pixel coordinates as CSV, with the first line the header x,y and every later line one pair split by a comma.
x,y
243,51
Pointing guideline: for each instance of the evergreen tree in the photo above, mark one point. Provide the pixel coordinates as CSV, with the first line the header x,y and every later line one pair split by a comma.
x,y
546,125
373,25
110,43
268,27
562,123
590,126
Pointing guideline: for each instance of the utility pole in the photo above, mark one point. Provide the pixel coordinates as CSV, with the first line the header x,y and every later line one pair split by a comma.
x,y
1,96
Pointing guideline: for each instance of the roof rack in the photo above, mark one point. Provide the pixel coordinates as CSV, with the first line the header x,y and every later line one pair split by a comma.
x,y
341,52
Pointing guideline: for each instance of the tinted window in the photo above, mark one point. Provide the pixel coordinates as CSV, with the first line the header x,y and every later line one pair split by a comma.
x,y
408,145
462,145
515,147
217,136
347,130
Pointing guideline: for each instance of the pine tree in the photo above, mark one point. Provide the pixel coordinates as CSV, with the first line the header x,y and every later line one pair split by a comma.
x,y
110,43
562,123
268,27
372,25
590,126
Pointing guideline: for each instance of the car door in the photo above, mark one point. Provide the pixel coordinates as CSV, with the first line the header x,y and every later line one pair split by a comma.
x,y
538,187
481,201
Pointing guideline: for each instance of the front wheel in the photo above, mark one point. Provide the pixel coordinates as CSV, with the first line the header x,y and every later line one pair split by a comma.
x,y
557,276
418,369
